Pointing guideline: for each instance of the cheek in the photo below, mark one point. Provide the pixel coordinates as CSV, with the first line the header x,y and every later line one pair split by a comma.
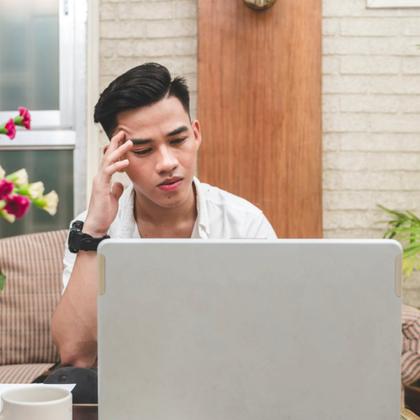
x,y
136,168
189,158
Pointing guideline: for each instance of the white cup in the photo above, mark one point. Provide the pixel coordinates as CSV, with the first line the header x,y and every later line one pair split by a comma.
x,y
36,403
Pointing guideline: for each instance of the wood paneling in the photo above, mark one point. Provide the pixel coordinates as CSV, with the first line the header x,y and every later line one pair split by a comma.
x,y
259,105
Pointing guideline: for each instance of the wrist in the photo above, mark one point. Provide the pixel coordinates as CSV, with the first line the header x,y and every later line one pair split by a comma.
x,y
93,230
79,240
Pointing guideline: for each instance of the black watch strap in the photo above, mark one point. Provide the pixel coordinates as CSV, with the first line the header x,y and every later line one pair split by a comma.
x,y
80,241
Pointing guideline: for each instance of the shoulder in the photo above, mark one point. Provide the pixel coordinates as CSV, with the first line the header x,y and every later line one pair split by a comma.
x,y
225,215
216,197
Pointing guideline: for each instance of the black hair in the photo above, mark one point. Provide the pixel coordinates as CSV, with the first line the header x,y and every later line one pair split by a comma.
x,y
138,87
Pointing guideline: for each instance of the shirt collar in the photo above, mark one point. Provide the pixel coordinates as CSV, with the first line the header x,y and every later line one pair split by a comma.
x,y
202,214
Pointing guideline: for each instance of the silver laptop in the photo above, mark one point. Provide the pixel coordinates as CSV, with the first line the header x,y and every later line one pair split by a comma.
x,y
249,330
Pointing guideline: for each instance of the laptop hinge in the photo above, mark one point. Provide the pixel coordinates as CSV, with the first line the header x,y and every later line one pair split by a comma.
x,y
101,274
398,275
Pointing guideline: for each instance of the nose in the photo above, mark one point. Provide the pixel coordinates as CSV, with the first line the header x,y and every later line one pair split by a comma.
x,y
166,160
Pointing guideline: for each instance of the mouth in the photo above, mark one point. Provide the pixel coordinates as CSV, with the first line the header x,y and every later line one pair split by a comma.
x,y
170,184
170,181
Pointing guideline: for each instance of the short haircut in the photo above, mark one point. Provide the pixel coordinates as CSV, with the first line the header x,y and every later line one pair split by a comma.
x,y
138,87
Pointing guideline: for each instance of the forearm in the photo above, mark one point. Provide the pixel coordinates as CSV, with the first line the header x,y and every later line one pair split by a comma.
x,y
74,322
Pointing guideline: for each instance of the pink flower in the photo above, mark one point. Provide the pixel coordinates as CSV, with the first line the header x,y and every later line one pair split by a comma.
x,y
6,187
26,117
17,205
10,129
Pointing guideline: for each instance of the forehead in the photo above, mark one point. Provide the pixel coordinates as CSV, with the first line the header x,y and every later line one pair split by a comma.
x,y
159,118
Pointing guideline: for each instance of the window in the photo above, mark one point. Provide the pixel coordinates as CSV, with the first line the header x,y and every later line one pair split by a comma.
x,y
43,42
36,67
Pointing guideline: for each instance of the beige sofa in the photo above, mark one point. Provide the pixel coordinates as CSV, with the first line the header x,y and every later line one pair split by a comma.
x,y
33,267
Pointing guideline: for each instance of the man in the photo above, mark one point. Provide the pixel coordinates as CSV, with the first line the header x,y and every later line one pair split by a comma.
x,y
153,140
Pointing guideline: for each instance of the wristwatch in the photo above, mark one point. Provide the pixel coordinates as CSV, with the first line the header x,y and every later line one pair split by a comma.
x,y
80,241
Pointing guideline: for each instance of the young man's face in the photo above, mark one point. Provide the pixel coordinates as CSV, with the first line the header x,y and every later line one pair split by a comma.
x,y
163,159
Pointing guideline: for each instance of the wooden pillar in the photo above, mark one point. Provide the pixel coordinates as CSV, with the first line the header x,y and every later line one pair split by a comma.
x,y
259,105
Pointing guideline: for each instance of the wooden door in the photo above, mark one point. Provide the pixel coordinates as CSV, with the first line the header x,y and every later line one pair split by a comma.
x,y
259,105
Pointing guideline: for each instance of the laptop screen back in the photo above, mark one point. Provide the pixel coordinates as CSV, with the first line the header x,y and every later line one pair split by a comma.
x,y
249,330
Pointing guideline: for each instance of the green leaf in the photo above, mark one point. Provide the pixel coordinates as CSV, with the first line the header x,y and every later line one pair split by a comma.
x,y
405,227
2,281
413,216
393,212
411,250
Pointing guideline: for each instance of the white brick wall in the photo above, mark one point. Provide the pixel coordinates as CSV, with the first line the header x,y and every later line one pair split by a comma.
x,y
138,31
371,115
371,95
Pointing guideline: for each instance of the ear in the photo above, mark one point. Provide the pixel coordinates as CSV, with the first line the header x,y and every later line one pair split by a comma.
x,y
197,132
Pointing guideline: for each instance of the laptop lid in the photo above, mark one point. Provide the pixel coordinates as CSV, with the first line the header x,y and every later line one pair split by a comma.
x,y
249,330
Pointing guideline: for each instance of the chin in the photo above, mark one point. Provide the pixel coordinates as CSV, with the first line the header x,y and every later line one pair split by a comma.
x,y
170,201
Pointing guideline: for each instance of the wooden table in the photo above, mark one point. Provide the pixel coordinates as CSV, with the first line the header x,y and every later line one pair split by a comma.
x,y
85,412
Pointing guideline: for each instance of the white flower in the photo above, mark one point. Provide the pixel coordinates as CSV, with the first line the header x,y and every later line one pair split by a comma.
x,y
2,173
36,190
19,177
7,216
50,202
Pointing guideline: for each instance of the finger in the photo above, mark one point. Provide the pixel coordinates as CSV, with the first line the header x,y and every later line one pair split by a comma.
x,y
115,141
115,167
117,189
120,152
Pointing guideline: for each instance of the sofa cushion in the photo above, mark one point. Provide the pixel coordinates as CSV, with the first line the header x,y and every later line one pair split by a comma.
x,y
33,266
22,374
410,358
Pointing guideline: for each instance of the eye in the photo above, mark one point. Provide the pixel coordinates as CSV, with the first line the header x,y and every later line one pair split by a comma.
x,y
176,142
142,151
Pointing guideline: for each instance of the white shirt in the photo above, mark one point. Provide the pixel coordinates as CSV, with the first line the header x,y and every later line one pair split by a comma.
x,y
220,215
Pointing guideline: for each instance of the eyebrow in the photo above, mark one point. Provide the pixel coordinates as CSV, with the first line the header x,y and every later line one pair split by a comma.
x,y
139,142
177,131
